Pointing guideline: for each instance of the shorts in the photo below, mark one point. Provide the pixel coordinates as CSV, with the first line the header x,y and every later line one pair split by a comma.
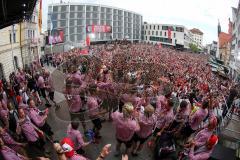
x,y
187,131
51,95
78,115
136,138
128,144
97,123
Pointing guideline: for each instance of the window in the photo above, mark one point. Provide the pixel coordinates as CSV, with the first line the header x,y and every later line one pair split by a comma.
x,y
10,38
152,32
145,32
150,27
16,62
164,27
156,33
64,9
165,34
148,32
154,27
146,27
179,29
33,33
158,27
160,33
174,35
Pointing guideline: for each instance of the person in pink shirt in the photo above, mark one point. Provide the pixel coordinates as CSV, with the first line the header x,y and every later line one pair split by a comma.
x,y
75,103
49,86
25,126
125,127
75,135
4,115
94,112
76,78
39,117
41,86
165,117
147,121
203,152
196,119
10,142
10,154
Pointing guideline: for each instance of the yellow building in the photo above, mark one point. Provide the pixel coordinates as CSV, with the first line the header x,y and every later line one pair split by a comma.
x,y
18,45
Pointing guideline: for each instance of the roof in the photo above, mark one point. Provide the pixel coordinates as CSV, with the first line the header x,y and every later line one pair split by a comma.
x,y
224,38
15,11
92,4
196,31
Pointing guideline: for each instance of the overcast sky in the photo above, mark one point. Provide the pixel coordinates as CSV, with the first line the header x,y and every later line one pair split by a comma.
x,y
202,14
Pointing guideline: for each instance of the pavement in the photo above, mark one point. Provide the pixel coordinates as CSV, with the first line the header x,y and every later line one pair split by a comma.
x,y
59,119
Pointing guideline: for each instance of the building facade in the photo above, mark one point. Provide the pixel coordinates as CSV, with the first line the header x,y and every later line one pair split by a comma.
x,y
234,63
73,18
172,35
197,36
211,49
18,45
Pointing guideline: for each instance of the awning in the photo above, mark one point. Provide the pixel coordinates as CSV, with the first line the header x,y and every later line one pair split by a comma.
x,y
15,11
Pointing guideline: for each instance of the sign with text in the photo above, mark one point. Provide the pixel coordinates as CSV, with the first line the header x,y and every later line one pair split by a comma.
x,y
99,29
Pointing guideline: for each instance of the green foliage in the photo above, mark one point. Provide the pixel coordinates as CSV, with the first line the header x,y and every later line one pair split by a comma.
x,y
194,48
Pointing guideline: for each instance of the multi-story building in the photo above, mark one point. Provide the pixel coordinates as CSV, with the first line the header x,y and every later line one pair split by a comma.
x,y
166,34
197,36
18,45
73,19
234,63
211,49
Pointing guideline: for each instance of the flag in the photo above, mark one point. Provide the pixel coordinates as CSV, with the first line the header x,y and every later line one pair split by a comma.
x,y
88,40
40,17
169,33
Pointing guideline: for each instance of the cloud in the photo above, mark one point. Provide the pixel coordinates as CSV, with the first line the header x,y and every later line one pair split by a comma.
x,y
202,14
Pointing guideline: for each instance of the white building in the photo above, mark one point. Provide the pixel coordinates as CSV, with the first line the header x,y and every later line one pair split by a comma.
x,y
235,47
174,35
197,36
211,49
73,19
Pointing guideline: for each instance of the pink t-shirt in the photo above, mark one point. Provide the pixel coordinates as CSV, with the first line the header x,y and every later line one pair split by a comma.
x,y
93,107
146,125
75,136
125,128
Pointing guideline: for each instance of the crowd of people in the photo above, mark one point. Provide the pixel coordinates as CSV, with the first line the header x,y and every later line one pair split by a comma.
x,y
151,94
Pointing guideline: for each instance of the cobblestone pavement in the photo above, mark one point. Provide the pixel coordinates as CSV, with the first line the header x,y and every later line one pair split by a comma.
x,y
59,119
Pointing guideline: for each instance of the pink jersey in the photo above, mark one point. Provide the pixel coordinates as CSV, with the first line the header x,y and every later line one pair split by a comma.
x,y
146,125
93,107
197,118
125,127
202,137
76,137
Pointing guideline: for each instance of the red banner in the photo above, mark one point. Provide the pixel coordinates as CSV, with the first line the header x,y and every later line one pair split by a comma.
x,y
84,52
169,33
99,29
88,40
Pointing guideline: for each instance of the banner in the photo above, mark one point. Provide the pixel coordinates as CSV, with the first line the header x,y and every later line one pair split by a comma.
x,y
169,33
40,17
99,29
88,40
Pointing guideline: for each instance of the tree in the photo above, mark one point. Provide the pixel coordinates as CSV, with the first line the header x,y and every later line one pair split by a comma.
x,y
194,48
